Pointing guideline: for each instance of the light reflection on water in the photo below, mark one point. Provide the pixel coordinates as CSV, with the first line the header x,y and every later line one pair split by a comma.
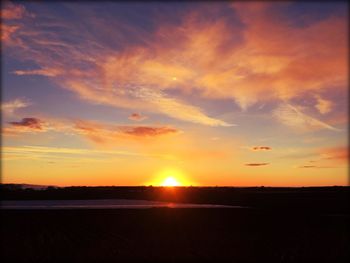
x,y
101,204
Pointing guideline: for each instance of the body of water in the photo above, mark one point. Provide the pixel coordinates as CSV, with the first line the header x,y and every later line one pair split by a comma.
x,y
100,204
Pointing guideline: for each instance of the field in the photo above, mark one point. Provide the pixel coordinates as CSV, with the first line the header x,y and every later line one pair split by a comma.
x,y
252,234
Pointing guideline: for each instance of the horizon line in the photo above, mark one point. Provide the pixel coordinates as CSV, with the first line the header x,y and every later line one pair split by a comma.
x,y
179,186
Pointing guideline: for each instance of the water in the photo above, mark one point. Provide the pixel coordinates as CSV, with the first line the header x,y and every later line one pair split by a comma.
x,y
101,204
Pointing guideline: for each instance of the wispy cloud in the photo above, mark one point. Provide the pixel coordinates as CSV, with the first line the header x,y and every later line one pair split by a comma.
x,y
338,154
61,152
10,107
178,109
49,72
308,166
290,115
326,157
315,167
7,31
300,154
14,14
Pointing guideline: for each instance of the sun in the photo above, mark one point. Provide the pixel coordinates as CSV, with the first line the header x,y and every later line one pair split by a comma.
x,y
170,177
170,181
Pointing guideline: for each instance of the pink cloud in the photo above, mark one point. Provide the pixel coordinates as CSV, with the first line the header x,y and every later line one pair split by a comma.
x,y
7,31
12,11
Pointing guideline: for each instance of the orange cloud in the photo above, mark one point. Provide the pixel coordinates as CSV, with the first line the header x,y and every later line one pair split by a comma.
x,y
323,106
339,154
292,60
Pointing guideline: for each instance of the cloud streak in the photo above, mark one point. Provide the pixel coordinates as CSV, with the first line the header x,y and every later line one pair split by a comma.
x,y
339,154
290,115
102,133
261,148
256,164
41,151
10,107
144,131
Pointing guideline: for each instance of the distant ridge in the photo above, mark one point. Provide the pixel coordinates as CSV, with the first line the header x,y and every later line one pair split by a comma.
x,y
26,186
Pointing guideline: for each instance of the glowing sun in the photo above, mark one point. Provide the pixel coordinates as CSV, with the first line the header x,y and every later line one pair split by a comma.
x,y
170,176
170,181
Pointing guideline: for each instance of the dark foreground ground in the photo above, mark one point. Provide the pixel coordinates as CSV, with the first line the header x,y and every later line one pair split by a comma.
x,y
165,234
282,224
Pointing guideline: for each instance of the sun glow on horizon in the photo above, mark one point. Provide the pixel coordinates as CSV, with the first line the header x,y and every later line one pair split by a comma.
x,y
170,177
170,181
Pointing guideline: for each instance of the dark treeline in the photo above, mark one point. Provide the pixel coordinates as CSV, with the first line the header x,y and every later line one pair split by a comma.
x,y
330,199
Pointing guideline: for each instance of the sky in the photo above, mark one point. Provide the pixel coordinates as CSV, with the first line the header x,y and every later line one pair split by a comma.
x,y
204,93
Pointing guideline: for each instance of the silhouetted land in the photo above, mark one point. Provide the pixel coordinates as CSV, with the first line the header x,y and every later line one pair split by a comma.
x,y
325,199
284,225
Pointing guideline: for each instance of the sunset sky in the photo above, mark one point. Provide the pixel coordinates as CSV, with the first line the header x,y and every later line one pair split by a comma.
x,y
130,93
